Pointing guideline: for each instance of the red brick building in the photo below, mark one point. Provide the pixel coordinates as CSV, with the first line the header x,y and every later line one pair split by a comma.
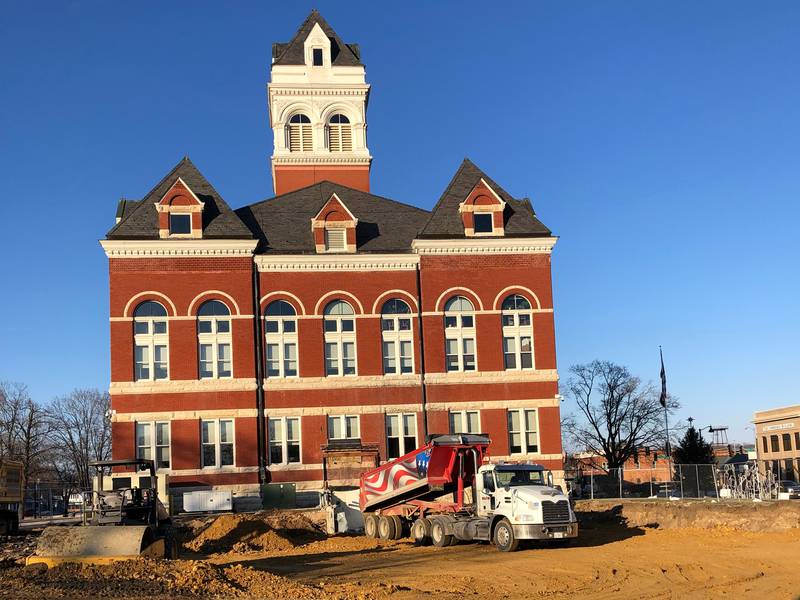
x,y
245,341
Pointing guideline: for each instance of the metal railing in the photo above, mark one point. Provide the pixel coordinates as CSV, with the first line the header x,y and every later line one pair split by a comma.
x,y
708,481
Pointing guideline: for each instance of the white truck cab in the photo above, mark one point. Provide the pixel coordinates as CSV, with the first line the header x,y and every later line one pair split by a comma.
x,y
520,503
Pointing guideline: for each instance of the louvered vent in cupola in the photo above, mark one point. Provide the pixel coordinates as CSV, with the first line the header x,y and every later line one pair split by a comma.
x,y
300,135
340,134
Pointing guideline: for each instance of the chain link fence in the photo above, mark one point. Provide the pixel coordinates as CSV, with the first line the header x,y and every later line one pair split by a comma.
x,y
53,500
741,481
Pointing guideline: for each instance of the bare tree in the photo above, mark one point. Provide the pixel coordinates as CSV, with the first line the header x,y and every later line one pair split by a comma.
x,y
23,429
82,430
617,414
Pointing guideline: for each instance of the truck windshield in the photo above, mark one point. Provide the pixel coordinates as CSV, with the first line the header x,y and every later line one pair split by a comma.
x,y
513,478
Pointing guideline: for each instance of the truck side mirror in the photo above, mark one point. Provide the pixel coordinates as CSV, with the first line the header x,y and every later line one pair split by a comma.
x,y
488,482
549,479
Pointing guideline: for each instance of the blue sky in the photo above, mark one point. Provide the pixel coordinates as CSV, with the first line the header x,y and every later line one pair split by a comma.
x,y
659,140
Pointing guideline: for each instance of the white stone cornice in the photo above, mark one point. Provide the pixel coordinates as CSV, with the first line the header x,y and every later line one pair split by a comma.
x,y
178,248
338,262
328,159
538,245
525,376
182,386
345,382
297,90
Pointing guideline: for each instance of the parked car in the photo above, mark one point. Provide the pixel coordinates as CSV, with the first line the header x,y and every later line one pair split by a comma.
x,y
786,486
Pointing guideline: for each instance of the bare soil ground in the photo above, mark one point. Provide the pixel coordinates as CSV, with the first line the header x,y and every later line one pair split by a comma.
x,y
289,558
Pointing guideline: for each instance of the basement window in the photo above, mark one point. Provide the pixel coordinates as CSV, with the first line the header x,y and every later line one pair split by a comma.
x,y
317,57
483,222
180,224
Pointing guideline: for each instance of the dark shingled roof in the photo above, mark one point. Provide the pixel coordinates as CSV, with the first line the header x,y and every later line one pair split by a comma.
x,y
293,52
125,207
445,220
140,218
283,223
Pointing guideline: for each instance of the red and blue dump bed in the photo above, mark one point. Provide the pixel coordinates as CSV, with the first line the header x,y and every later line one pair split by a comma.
x,y
446,463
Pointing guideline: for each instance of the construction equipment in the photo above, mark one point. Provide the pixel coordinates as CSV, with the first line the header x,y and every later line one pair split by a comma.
x,y
10,495
125,523
444,493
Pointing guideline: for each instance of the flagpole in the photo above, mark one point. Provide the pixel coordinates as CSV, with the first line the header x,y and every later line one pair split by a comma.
x,y
666,419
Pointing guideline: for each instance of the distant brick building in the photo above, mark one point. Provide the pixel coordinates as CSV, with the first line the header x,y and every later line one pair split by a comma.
x,y
246,344
778,441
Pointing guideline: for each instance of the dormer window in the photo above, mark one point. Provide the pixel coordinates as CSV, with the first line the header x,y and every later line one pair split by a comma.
x,y
180,213
334,227
335,240
180,224
483,222
482,212
317,57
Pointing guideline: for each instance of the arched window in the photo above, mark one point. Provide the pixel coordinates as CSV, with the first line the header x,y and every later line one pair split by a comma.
x,y
340,134
459,333
299,134
214,340
517,333
340,339
397,338
151,342
280,330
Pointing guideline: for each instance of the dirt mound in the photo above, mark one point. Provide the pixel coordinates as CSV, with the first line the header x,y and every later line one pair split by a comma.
x,y
143,578
14,548
258,532
161,579
734,515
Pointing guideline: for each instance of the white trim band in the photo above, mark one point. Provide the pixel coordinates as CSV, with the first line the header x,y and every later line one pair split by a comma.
x,y
178,248
543,245
119,388
338,262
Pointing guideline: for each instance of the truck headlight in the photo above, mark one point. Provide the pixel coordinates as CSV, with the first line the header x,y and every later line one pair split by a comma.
x,y
527,518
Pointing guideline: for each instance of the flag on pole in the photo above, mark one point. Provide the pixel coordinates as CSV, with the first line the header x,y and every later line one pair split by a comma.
x,y
663,398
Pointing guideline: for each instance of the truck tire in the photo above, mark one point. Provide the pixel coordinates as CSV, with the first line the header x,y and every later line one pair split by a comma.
x,y
371,525
439,534
386,528
398,527
421,532
504,537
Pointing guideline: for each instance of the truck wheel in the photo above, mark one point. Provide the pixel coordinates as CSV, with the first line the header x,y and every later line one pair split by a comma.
x,y
421,532
371,525
439,535
386,528
504,537
14,525
398,527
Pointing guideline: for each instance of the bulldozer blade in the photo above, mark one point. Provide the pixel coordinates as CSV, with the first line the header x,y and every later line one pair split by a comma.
x,y
94,544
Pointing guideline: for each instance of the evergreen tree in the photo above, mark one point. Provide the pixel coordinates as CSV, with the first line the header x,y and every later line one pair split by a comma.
x,y
693,449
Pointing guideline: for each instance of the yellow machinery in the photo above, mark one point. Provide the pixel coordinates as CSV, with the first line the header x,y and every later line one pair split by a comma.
x,y
10,495
126,523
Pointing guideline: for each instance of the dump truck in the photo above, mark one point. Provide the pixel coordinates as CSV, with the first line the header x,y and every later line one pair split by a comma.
x,y
10,495
446,492
125,523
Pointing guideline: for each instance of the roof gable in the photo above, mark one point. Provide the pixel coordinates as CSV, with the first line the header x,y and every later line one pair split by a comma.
x,y
282,222
293,52
334,209
141,221
445,221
